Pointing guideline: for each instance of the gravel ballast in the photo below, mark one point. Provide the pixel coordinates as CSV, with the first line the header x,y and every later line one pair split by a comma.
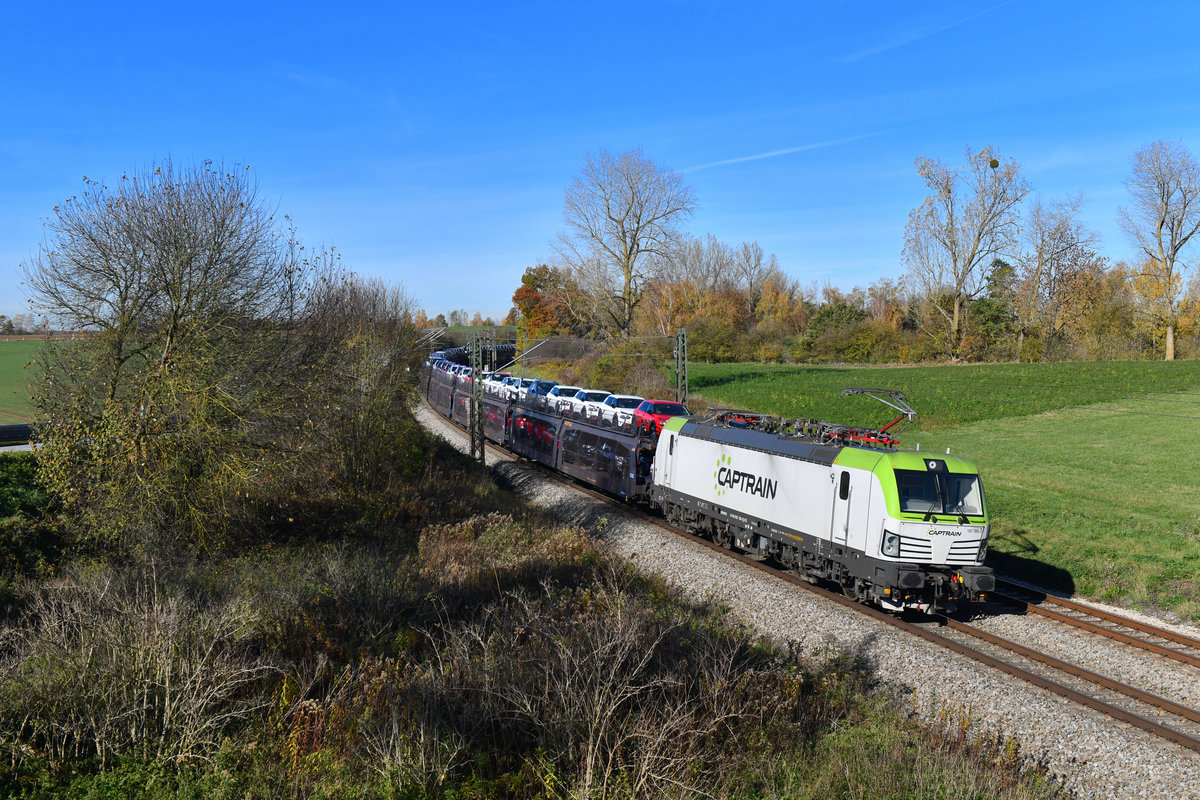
x,y
1090,754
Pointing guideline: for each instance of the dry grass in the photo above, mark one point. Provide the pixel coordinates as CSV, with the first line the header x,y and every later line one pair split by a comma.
x,y
500,659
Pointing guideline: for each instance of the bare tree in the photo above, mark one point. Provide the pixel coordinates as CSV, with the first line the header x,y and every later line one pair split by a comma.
x,y
622,212
187,287
754,269
1164,190
968,218
1055,246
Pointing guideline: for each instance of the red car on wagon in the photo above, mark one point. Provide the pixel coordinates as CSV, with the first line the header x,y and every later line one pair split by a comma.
x,y
651,414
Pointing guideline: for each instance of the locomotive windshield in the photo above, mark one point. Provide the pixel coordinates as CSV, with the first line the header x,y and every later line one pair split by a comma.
x,y
939,493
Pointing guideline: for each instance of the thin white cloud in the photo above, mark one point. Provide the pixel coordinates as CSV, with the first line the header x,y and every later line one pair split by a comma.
x,y
313,79
908,37
774,153
324,83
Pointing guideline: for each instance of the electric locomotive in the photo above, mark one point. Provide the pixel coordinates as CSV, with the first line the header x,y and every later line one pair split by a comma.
x,y
901,529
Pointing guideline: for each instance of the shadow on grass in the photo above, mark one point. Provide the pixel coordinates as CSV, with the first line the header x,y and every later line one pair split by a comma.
x,y
1020,562
701,380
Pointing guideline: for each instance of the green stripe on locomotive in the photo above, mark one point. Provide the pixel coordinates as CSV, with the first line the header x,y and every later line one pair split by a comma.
x,y
884,465
674,424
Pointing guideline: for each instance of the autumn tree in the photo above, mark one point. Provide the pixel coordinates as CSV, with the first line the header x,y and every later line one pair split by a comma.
x,y
189,288
968,218
1055,247
622,213
1163,215
1098,312
355,431
541,301
691,279
885,304
782,302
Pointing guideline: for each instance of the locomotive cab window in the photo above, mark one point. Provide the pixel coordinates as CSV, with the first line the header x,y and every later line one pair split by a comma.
x,y
939,493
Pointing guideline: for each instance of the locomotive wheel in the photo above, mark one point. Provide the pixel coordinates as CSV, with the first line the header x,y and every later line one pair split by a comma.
x,y
724,537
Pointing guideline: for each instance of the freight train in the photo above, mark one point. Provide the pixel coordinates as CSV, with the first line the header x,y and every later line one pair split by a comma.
x,y
898,529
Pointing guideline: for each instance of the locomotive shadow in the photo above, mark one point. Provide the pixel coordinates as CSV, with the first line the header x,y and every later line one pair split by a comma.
x,y
1019,560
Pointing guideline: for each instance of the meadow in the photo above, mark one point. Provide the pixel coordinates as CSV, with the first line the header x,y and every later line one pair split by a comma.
x,y
1089,468
15,405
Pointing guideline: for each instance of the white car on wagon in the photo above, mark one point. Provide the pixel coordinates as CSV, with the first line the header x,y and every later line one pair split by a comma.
x,y
559,396
619,407
587,403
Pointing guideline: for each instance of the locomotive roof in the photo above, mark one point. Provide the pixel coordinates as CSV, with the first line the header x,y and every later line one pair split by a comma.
x,y
791,446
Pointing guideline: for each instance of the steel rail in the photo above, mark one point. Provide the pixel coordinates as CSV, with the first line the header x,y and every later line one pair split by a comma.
x,y
1100,630
1072,669
1099,613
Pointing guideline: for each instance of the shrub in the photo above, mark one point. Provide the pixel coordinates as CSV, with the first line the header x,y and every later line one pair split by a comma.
x,y
105,663
712,339
20,490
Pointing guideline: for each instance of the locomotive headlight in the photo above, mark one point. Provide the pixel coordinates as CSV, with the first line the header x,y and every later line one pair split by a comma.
x,y
891,544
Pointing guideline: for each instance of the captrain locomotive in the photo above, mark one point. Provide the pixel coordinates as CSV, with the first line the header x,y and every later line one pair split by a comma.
x,y
900,529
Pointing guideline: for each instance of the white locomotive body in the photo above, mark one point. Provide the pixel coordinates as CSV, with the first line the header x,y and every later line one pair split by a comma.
x,y
903,529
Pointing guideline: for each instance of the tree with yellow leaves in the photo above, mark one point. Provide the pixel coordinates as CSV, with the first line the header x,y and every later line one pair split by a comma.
x,y
1163,216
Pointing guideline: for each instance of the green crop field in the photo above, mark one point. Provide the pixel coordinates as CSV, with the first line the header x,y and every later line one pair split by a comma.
x,y
14,379
1090,468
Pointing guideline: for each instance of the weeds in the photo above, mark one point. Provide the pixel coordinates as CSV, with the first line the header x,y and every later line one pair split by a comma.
x,y
105,662
485,657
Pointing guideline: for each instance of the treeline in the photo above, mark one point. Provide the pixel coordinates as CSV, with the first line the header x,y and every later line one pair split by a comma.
x,y
1103,317
22,325
457,318
991,273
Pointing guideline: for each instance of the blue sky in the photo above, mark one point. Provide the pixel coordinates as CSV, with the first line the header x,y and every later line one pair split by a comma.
x,y
432,144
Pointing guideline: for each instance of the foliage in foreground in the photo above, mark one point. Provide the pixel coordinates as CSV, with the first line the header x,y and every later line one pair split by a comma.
x,y
503,658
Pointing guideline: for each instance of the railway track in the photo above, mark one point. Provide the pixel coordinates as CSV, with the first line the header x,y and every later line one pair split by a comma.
x,y
1160,716
1135,633
1130,705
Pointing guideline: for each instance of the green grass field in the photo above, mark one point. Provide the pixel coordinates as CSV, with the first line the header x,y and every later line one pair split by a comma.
x,y
1090,469
14,381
